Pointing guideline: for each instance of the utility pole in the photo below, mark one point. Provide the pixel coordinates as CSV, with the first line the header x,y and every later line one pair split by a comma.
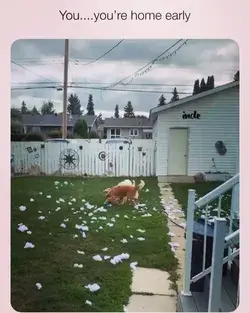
x,y
65,89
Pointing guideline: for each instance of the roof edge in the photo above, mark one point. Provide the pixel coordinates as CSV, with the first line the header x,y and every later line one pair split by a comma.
x,y
215,90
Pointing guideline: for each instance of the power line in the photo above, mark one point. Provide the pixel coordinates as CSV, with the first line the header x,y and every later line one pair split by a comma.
x,y
150,63
104,53
30,71
99,83
98,88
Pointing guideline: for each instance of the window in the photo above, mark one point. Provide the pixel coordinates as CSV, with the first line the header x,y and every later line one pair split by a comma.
x,y
148,135
115,133
133,132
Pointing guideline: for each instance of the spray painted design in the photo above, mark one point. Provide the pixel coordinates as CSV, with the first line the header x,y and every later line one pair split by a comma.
x,y
69,159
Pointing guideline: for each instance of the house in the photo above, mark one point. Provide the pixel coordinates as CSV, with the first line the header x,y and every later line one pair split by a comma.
x,y
199,133
53,122
134,128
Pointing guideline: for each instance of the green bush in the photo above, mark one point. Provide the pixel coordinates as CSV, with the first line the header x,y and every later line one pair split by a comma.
x,y
54,134
93,134
17,137
81,128
16,126
34,136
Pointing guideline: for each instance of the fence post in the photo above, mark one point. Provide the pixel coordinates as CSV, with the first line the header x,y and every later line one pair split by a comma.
x,y
189,241
217,265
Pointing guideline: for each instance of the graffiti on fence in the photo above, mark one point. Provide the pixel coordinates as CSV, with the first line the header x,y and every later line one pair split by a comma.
x,y
69,159
34,160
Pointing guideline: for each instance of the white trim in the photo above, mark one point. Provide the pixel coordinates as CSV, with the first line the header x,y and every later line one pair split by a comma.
x,y
127,126
147,130
132,132
194,97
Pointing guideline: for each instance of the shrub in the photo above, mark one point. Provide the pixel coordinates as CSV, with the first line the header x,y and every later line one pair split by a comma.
x,y
93,134
81,128
55,134
34,136
16,126
17,137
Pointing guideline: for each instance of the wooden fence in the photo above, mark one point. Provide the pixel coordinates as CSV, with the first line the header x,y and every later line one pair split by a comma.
x,y
81,157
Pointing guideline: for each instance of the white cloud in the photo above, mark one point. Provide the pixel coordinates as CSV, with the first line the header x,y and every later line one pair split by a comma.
x,y
42,61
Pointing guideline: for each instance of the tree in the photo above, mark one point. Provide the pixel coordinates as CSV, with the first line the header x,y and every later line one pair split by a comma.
x,y
116,115
90,106
81,128
210,82
74,106
34,111
16,127
175,95
129,110
141,116
237,76
196,87
15,114
24,109
202,85
47,108
162,100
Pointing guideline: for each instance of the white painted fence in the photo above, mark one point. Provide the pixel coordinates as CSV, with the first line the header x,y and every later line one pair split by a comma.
x,y
81,157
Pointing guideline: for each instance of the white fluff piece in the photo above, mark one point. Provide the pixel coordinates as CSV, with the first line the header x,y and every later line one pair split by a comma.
x,y
93,287
40,193
88,302
58,209
106,257
141,238
22,228
119,258
103,218
105,249
141,231
124,241
29,245
97,258
66,220
38,286
78,265
48,196
125,216
133,265
117,215
65,183
32,200
63,225
29,232
22,208
83,235
171,234
75,236
100,227
61,200
80,252
57,182
41,217
110,224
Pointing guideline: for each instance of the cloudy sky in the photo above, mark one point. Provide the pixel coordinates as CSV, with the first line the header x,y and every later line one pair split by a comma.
x,y
37,64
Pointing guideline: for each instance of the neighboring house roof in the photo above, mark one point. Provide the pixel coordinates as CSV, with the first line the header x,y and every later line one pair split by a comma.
x,y
55,120
215,90
138,122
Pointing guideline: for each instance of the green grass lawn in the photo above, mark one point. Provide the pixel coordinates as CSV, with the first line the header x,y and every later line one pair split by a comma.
x,y
180,191
51,261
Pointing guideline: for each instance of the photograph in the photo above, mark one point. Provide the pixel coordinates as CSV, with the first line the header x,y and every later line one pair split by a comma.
x,y
125,175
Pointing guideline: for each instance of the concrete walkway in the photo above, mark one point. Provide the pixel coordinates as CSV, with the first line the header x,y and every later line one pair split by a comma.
x,y
151,287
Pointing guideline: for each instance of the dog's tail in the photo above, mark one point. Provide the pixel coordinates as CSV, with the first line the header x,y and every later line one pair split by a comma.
x,y
141,185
